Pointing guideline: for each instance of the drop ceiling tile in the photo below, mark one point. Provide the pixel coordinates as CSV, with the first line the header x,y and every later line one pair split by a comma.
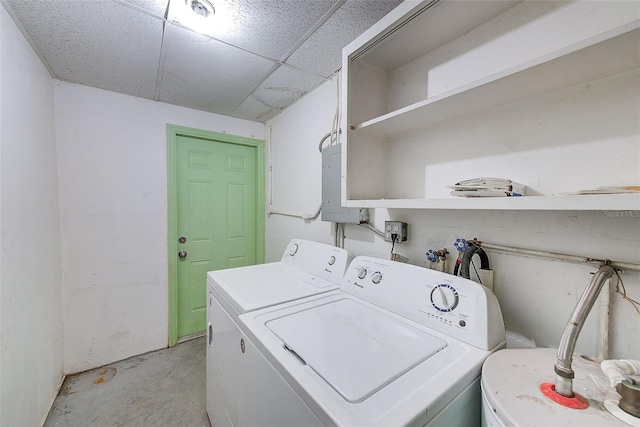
x,y
266,27
155,7
252,109
322,52
206,74
118,45
100,43
285,86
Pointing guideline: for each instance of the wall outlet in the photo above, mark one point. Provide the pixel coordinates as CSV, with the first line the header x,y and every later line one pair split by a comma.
x,y
395,227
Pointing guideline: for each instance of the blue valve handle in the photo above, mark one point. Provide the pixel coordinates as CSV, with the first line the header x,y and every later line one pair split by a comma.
x,y
432,255
461,245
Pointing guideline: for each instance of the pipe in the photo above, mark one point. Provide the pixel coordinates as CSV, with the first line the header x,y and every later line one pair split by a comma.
x,y
621,266
555,255
372,228
615,370
443,257
270,168
324,138
306,217
564,373
335,131
605,308
270,210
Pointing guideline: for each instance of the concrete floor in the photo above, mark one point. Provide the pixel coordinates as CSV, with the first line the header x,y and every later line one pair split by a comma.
x,y
161,388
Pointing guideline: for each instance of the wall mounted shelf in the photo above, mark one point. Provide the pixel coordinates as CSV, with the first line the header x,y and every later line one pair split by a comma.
x,y
435,77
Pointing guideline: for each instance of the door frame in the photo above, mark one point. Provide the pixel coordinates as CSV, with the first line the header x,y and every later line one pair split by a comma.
x,y
173,132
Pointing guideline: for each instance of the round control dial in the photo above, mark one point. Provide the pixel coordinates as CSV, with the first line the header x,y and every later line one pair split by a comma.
x,y
362,273
444,298
293,249
332,260
376,277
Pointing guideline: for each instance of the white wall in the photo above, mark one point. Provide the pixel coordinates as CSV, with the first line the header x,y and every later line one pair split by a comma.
x,y
537,296
30,274
293,138
113,181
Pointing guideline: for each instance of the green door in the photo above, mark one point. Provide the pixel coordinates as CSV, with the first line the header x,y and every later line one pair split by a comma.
x,y
218,217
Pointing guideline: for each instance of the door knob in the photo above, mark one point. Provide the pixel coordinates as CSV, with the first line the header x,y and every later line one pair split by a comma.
x,y
182,254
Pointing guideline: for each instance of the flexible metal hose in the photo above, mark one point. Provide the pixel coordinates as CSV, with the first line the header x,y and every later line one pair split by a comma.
x,y
564,373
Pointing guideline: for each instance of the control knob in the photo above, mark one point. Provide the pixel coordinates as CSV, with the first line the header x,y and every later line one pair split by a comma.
x,y
444,298
293,249
376,277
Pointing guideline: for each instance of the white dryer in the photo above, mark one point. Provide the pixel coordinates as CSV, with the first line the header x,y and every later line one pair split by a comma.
x,y
306,268
396,345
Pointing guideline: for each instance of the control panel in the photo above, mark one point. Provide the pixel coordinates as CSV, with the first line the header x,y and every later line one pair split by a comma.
x,y
455,306
318,259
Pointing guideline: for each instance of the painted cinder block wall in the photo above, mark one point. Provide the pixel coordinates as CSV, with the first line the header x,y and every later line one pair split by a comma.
x,y
113,199
83,196
30,269
536,295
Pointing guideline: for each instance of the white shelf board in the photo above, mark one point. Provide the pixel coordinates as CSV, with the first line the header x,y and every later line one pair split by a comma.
x,y
430,23
599,202
605,55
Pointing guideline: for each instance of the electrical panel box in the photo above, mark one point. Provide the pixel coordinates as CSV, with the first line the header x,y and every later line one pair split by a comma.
x,y
397,228
332,209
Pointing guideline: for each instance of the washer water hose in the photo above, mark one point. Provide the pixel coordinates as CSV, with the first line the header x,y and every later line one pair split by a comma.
x,y
461,246
466,260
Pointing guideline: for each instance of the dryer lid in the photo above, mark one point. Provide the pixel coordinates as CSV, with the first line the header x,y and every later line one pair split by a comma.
x,y
258,286
355,348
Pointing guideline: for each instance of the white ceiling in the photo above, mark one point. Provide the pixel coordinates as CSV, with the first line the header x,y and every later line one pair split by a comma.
x,y
272,53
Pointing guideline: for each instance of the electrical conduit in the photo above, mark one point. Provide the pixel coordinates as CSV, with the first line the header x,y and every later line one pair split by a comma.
x,y
270,209
334,140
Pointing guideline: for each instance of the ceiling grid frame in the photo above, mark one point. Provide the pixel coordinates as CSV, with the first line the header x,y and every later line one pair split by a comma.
x,y
126,46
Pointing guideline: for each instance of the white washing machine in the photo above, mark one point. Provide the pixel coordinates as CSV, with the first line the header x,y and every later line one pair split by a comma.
x,y
511,393
396,345
307,268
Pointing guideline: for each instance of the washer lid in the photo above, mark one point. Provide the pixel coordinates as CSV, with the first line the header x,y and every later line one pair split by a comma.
x,y
356,349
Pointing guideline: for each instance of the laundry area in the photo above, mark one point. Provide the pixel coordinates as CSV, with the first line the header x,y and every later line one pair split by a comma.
x,y
162,387
328,212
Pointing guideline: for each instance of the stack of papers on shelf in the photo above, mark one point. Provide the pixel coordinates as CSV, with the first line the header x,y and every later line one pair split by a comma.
x,y
487,187
608,190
